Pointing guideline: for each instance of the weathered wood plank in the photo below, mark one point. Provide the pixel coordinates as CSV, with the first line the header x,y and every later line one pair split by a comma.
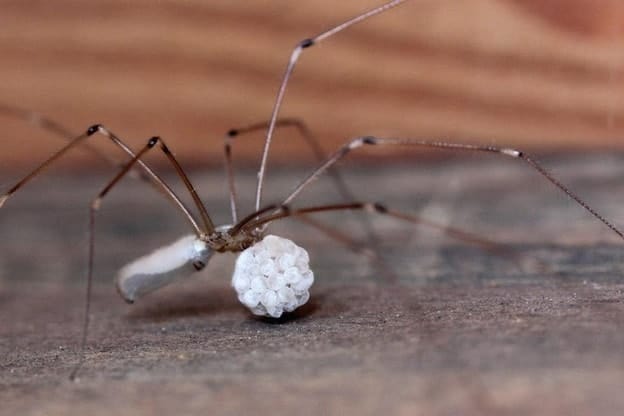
x,y
462,332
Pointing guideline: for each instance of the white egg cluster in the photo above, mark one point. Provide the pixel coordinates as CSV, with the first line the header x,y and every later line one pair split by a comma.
x,y
273,276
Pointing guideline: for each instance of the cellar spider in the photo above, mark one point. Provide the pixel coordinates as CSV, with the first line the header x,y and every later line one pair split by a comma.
x,y
272,275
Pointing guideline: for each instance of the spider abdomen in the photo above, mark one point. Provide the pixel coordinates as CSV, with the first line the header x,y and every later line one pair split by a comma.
x,y
162,266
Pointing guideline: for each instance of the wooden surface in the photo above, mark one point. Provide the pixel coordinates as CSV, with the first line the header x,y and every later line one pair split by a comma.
x,y
537,331
537,74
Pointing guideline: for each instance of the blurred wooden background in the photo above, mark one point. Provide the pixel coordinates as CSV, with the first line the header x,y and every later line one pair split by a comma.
x,y
539,74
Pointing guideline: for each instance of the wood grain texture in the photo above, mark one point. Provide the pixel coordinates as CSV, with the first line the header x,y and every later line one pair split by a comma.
x,y
544,75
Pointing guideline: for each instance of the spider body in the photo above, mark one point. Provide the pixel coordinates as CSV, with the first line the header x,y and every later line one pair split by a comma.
x,y
186,255
221,240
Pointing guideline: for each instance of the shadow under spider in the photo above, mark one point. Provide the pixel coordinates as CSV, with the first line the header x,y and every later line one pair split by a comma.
x,y
221,300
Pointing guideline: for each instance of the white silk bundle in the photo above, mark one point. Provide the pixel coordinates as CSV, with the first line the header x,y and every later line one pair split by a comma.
x,y
273,276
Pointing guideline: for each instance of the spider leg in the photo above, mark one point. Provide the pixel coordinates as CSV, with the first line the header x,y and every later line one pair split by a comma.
x,y
304,132
94,208
153,177
47,124
294,57
285,211
342,238
341,187
38,120
501,151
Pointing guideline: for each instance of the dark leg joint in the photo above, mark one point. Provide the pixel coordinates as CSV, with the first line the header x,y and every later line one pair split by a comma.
x,y
232,133
93,129
152,142
369,140
380,208
306,43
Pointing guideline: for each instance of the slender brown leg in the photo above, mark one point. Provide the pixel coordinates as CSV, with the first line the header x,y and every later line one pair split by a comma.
x,y
157,180
346,194
36,119
284,211
94,207
41,167
304,132
376,141
47,124
340,237
341,187
294,57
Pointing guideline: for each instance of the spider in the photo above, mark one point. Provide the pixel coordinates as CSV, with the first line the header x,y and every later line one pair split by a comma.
x,y
272,275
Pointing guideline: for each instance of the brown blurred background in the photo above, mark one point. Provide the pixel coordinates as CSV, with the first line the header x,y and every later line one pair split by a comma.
x,y
545,75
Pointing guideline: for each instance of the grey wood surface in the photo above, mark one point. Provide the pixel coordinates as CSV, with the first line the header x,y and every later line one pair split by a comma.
x,y
461,331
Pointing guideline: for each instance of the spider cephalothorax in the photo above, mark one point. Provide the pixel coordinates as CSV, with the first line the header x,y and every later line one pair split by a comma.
x,y
222,239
